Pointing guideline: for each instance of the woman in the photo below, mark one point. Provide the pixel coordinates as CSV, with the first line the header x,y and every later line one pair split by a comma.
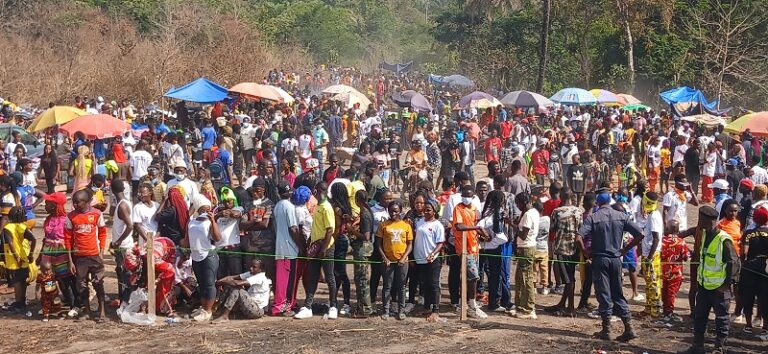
x,y
343,212
202,233
427,244
82,169
288,171
395,238
164,251
18,155
382,158
417,202
53,251
50,165
173,215
228,215
492,221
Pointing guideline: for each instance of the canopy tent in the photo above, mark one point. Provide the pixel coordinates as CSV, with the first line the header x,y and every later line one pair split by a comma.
x,y
55,115
685,101
397,68
412,99
201,90
635,107
526,99
604,96
256,91
574,96
705,119
96,126
756,122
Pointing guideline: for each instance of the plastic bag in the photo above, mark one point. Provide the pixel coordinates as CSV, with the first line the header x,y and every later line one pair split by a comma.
x,y
131,313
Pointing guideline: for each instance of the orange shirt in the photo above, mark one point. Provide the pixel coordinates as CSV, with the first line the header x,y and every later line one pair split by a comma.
x,y
466,215
733,229
86,233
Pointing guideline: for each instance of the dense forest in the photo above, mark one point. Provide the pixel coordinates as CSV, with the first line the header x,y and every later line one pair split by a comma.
x,y
53,49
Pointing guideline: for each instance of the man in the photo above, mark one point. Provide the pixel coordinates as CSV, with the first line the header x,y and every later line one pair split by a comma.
x,y
605,229
208,133
221,168
248,138
465,222
267,172
362,249
139,164
653,228
525,276
720,188
675,202
757,173
576,178
122,238
539,163
289,245
321,140
693,166
182,179
335,131
517,183
85,238
97,184
719,266
334,170
566,221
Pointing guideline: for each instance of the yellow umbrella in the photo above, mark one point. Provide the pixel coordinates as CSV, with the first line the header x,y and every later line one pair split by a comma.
x,y
55,115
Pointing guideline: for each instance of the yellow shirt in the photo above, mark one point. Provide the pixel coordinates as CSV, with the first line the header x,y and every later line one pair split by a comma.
x,y
395,236
20,245
323,218
666,160
352,189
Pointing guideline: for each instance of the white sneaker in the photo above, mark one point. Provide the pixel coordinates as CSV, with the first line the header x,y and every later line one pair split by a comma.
x,y
345,310
757,322
303,313
638,298
203,316
480,314
73,312
527,316
593,314
333,313
499,309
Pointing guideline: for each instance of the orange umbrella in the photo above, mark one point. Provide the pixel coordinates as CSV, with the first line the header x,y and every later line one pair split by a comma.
x,y
254,90
625,99
96,126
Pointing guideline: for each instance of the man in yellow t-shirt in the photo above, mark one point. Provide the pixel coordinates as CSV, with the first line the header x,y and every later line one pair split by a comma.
x,y
395,238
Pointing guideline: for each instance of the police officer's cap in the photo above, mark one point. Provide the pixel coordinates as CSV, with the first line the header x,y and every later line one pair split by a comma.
x,y
708,212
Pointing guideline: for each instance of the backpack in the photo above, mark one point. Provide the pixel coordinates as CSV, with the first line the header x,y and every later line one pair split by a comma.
x,y
216,168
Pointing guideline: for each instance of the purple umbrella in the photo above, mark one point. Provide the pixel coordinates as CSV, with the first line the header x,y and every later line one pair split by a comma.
x,y
412,99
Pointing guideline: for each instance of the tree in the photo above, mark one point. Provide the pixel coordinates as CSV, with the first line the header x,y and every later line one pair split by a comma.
x,y
546,15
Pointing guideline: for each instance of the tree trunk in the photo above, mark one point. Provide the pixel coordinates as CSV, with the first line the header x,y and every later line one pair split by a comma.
x,y
546,14
624,13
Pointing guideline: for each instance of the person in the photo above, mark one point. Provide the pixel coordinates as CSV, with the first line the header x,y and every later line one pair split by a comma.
x,y
164,252
361,233
85,237
181,179
653,227
288,243
565,223
260,233
604,230
380,214
428,242
541,259
708,171
208,134
51,167
320,251
202,234
18,248
719,188
251,303
527,232
49,289
692,168
496,250
53,251
344,215
674,252
675,202
753,274
122,238
172,216
144,214
716,273
140,161
576,178
395,238
82,168
465,228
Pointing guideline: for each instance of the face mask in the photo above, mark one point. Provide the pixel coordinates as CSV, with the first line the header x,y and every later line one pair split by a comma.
x,y
180,177
466,200
94,188
246,125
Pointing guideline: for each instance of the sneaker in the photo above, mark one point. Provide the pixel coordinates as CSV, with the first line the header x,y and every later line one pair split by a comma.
x,y
408,307
346,310
74,312
203,316
638,298
559,290
385,316
544,291
594,314
512,311
401,316
333,313
527,316
480,313
471,313
499,309
303,313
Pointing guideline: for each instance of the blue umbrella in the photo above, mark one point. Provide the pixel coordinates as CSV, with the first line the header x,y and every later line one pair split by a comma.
x,y
574,96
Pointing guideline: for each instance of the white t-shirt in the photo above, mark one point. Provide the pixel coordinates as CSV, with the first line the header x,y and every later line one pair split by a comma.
x,y
285,218
145,216
259,287
304,220
305,141
289,144
709,166
487,224
679,153
760,176
200,241
676,208
190,188
542,238
140,161
230,230
247,135
118,226
654,223
530,220
428,235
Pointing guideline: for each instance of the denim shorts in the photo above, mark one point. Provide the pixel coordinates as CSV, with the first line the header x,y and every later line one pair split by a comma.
x,y
472,269
205,272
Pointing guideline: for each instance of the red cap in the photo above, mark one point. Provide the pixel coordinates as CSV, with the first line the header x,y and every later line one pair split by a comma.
x,y
746,182
57,198
760,216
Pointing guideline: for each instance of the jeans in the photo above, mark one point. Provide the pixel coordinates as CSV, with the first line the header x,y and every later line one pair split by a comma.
x,y
205,272
313,276
525,280
430,284
498,280
394,277
606,273
123,276
230,262
482,269
340,267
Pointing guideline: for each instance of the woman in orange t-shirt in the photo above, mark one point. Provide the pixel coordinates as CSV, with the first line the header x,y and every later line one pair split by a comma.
x,y
730,224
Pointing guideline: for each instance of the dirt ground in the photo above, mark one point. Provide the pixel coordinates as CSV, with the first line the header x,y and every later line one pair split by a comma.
x,y
497,334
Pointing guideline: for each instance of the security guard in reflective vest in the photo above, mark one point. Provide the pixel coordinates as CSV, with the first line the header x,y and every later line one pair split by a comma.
x,y
718,269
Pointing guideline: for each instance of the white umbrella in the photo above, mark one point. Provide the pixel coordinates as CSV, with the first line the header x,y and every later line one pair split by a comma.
x,y
350,98
526,99
286,97
338,89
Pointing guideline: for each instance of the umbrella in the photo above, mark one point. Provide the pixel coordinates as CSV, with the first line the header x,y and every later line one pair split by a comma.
x,y
635,107
705,119
574,96
97,126
285,96
625,99
351,98
458,80
339,89
254,90
413,99
757,123
55,116
526,99
604,96
478,99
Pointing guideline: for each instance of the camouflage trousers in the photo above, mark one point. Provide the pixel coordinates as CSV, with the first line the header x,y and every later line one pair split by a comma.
x,y
361,253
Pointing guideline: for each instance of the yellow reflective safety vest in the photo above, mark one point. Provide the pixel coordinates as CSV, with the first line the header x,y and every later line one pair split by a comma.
x,y
712,272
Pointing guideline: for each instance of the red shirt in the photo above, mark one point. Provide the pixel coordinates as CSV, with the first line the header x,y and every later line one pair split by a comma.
x,y
85,233
492,148
506,129
674,252
539,161
550,206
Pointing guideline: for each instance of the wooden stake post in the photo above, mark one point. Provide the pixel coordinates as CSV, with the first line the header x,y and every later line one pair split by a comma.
x,y
151,298
463,276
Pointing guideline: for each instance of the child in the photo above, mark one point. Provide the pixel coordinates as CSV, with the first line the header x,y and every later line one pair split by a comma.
x,y
666,165
18,246
252,302
541,259
674,252
49,289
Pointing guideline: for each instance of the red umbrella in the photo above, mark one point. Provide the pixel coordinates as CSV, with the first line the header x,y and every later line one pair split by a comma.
x,y
96,126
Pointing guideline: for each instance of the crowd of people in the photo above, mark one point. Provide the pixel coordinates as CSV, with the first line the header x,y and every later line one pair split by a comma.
x,y
248,202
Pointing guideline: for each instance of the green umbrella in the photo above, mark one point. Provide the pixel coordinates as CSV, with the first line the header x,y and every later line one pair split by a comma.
x,y
636,107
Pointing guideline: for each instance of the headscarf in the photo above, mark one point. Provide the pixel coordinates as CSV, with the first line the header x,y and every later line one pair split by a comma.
x,y
301,195
199,201
226,194
649,205
119,153
177,199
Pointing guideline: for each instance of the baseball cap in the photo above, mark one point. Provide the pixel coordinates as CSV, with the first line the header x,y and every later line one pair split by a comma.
x,y
311,164
719,184
746,182
283,188
56,198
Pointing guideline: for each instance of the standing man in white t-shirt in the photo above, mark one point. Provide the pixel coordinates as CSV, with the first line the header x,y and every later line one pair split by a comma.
x,y
248,136
306,145
181,179
653,229
525,276
144,215
122,237
675,202
139,164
